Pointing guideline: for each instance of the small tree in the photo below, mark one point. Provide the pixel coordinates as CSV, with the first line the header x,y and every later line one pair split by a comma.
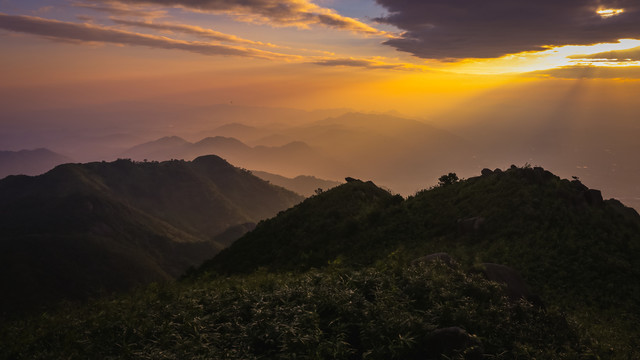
x,y
448,179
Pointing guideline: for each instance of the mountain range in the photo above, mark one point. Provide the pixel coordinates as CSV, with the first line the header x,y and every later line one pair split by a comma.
x,y
515,263
84,229
397,152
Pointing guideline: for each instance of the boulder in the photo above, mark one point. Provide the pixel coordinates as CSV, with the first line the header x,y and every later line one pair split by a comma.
x,y
486,172
516,287
593,197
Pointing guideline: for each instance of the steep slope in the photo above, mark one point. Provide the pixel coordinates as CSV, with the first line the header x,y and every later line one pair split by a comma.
x,y
575,250
29,162
309,235
85,228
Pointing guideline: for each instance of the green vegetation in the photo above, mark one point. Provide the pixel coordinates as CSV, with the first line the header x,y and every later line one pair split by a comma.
x,y
370,313
578,254
334,277
82,230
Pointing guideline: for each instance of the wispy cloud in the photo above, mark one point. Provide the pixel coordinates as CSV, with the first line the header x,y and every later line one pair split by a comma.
x,y
299,13
192,30
591,72
120,9
367,64
68,31
83,33
613,56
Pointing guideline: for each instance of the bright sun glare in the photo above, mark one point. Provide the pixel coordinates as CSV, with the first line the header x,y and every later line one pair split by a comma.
x,y
541,60
607,13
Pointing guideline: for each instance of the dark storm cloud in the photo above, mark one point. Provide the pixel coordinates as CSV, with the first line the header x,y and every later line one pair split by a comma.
x,y
455,29
85,33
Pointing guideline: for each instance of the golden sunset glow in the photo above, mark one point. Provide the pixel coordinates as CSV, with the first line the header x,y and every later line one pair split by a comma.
x,y
542,60
136,70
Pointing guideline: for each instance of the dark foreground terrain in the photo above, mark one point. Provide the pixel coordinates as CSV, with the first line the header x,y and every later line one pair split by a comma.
x,y
510,264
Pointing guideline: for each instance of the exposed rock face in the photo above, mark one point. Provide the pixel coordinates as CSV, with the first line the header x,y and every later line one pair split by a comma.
x,y
454,342
516,288
441,256
593,197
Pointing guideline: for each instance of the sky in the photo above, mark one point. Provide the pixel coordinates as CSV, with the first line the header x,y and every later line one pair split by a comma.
x,y
469,66
417,57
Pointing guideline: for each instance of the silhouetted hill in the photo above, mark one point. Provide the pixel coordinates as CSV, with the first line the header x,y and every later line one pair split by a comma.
x,y
290,158
344,275
302,184
29,162
84,228
578,251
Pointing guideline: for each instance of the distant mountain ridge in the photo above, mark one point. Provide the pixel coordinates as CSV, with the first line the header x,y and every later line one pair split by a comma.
x,y
291,158
29,162
84,228
302,184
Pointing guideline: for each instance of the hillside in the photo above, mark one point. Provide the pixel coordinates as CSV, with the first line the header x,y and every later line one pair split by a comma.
x,y
345,275
304,185
29,162
577,251
83,229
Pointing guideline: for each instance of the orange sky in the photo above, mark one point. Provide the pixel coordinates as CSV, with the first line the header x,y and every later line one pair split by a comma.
x,y
68,53
528,73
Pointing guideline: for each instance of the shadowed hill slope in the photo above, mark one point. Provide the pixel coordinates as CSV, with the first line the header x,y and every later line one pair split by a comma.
x,y
85,228
335,277
575,249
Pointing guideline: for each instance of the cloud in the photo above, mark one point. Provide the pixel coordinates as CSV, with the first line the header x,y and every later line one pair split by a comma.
x,y
300,13
85,33
363,63
617,55
120,9
590,72
448,30
192,30
91,34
